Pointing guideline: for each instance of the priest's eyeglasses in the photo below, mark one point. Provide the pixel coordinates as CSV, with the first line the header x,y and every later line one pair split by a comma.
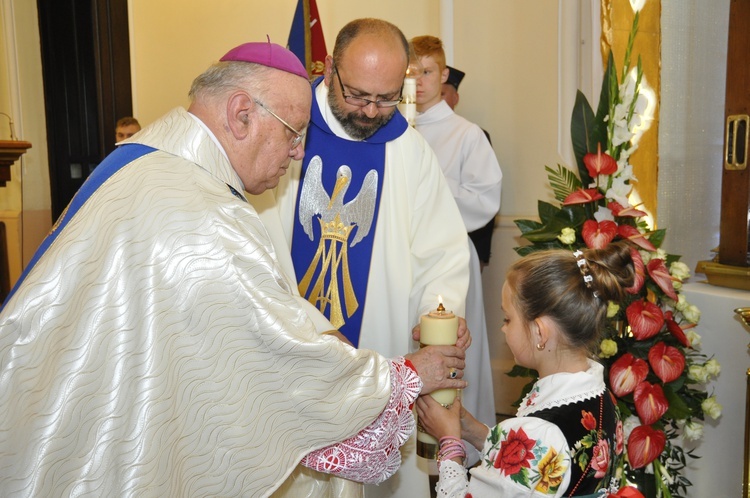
x,y
363,102
298,136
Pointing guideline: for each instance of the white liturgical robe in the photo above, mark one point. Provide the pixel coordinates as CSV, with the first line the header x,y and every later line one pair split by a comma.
x,y
157,349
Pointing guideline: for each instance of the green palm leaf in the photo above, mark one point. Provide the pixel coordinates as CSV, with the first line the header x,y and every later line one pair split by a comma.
x,y
563,181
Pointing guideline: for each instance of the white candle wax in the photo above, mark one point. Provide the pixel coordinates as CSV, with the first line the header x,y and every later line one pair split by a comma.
x,y
438,328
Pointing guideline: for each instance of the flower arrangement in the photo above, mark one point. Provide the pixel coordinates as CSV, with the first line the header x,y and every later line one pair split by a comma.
x,y
650,351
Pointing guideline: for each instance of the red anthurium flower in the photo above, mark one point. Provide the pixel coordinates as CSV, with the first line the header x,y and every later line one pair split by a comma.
x,y
631,233
650,402
598,235
629,211
645,319
645,445
659,273
677,331
626,492
666,361
626,373
640,271
582,196
600,164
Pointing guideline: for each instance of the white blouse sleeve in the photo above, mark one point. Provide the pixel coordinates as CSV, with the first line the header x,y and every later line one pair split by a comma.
x,y
522,457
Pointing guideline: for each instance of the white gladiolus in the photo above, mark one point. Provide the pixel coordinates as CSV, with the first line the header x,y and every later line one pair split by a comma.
x,y
602,214
619,191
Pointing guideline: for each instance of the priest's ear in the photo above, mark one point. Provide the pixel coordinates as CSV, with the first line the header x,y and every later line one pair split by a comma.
x,y
239,107
328,72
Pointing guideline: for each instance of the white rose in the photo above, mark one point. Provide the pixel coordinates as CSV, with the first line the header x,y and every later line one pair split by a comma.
x,y
608,348
567,236
628,425
680,270
694,338
661,254
681,303
677,284
713,367
698,373
645,255
612,309
692,314
692,431
711,407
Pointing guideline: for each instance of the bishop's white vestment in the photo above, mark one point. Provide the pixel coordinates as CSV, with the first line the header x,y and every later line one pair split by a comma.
x,y
156,348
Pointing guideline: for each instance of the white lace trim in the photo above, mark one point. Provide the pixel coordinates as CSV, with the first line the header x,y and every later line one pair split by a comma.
x,y
372,455
453,482
563,389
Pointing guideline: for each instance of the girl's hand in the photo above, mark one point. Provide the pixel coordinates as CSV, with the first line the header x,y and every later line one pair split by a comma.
x,y
437,420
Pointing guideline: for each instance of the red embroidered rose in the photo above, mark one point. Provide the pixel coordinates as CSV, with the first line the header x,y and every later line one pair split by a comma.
x,y
619,436
600,458
588,421
515,452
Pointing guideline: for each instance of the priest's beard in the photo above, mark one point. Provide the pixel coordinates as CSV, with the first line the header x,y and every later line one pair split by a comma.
x,y
356,123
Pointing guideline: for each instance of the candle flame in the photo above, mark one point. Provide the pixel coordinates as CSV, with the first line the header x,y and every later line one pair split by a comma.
x,y
440,307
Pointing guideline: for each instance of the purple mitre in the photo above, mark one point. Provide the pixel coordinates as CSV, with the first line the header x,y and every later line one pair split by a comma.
x,y
267,54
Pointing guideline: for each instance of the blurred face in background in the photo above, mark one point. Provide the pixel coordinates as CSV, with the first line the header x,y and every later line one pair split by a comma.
x,y
127,131
450,95
430,83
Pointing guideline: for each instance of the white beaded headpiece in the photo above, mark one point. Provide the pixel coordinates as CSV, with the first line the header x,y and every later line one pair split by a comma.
x,y
583,267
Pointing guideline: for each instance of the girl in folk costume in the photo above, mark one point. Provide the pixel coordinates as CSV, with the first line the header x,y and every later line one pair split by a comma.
x,y
567,433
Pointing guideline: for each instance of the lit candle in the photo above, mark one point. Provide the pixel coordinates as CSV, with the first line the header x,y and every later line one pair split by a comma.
x,y
437,328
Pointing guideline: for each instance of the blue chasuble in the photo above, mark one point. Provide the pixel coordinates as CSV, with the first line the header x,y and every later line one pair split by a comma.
x,y
335,218
120,157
